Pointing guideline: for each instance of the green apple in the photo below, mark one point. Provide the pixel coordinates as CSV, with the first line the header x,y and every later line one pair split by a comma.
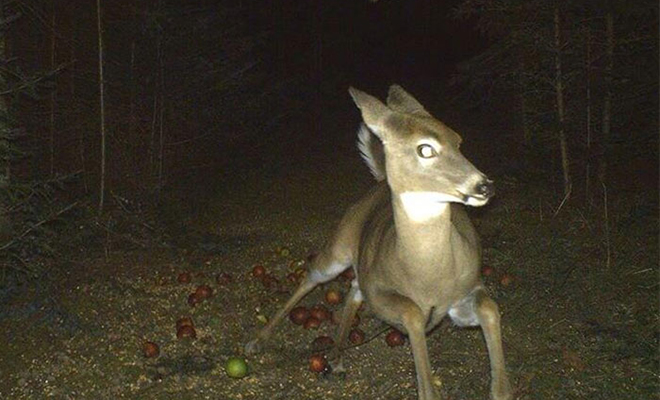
x,y
236,367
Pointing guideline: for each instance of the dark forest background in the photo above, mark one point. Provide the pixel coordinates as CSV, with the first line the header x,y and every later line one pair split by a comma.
x,y
191,88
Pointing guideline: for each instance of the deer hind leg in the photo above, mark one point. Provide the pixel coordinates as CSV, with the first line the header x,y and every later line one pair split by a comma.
x,y
353,302
479,309
325,268
401,310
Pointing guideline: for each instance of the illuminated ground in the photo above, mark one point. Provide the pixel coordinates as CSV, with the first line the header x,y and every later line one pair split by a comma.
x,y
573,328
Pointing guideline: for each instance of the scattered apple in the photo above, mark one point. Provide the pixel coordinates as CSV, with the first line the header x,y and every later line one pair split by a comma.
x,y
204,292
270,282
194,299
322,342
318,363
258,271
348,274
356,336
312,323
320,312
299,315
284,251
394,338
236,367
186,331
293,277
150,349
487,270
336,316
184,277
184,321
333,297
506,280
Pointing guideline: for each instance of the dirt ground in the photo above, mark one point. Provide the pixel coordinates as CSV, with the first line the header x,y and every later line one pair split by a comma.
x,y
573,327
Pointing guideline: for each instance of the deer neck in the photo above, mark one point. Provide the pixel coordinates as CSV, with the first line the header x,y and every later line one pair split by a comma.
x,y
423,223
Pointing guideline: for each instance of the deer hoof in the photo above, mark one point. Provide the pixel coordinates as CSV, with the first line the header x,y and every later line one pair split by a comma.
x,y
337,366
504,393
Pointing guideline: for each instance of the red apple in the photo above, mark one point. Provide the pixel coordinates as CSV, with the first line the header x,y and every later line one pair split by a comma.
x,y
322,342
356,336
204,291
258,271
320,312
194,299
299,315
333,297
150,349
318,363
312,323
394,338
186,331
184,321
184,277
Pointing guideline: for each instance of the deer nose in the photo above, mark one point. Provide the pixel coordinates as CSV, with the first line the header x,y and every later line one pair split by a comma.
x,y
486,188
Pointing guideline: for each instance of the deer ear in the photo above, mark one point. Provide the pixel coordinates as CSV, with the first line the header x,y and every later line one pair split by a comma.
x,y
401,101
374,112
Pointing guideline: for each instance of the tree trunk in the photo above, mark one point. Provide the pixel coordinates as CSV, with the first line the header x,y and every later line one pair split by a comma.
x,y
161,133
132,94
51,119
587,73
607,98
4,124
102,106
559,90
153,169
73,98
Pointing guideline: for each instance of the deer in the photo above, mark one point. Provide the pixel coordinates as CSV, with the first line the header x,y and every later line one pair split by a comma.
x,y
415,253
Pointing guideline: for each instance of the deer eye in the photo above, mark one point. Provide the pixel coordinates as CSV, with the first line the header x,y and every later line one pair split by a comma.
x,y
425,151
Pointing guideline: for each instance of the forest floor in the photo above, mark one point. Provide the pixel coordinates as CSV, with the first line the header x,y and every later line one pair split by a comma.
x,y
574,327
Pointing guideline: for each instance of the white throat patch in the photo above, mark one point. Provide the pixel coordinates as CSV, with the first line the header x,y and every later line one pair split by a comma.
x,y
422,206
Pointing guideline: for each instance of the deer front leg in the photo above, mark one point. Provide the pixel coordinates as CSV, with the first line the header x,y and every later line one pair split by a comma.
x,y
323,270
479,308
402,310
353,302
254,346
489,319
